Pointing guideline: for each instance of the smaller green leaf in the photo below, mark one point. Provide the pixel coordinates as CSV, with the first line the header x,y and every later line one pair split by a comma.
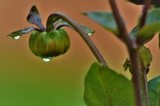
x,y
145,55
154,91
147,33
105,19
134,32
19,33
151,27
104,87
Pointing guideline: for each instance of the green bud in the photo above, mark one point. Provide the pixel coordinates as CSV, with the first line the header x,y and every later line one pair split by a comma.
x,y
49,44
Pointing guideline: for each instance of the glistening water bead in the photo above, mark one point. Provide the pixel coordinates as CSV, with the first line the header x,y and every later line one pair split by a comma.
x,y
46,59
16,37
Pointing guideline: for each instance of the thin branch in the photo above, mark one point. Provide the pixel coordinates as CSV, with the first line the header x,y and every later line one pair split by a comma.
x,y
121,26
133,53
144,13
83,34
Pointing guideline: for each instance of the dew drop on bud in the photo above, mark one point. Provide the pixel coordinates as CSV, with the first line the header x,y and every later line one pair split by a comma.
x,y
16,37
46,59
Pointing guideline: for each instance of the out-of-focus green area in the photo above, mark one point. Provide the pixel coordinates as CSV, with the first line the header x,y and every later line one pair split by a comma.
x,y
25,80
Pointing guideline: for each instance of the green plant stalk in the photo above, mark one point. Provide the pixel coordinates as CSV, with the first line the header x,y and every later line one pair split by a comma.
x,y
145,83
83,34
144,74
133,53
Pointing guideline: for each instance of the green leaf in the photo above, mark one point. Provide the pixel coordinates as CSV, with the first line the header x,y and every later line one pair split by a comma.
x,y
134,32
151,27
145,55
105,19
19,33
104,87
154,91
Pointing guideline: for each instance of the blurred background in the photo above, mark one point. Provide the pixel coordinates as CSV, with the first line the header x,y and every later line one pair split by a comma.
x,y
25,80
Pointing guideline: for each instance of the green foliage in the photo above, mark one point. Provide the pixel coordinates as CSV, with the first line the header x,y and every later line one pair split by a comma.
x,y
104,87
145,55
151,27
154,91
134,32
105,19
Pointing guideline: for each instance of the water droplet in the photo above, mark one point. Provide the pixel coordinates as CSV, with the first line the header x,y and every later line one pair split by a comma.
x,y
17,37
90,34
47,59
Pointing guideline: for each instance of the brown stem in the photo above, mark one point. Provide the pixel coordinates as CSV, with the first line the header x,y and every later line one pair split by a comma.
x,y
133,53
136,78
121,26
144,13
83,34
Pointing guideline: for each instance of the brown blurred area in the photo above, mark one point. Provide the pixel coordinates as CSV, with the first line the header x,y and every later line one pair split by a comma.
x,y
16,55
13,17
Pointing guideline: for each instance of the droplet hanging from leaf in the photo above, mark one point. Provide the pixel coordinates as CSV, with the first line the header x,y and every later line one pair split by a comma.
x,y
17,37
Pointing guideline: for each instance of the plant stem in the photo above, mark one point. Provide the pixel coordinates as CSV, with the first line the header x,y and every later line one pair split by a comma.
x,y
133,53
145,84
83,34
121,26
136,78
144,73
144,13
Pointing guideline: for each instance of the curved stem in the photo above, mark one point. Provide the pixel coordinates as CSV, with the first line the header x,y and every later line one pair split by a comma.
x,y
83,34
